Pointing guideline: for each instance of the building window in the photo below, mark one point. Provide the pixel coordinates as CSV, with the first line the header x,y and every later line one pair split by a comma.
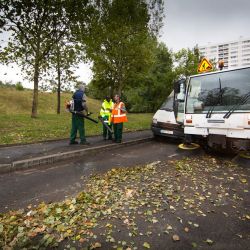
x,y
247,41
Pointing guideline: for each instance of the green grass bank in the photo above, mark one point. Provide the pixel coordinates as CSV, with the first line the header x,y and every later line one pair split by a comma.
x,y
17,126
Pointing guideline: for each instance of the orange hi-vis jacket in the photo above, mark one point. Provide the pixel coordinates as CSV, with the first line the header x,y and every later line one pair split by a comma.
x,y
118,116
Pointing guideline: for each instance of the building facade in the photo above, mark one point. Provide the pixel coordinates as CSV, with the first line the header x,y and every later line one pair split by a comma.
x,y
234,54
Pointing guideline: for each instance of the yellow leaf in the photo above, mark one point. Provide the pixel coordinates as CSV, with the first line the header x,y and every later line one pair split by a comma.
x,y
146,245
243,180
176,237
208,241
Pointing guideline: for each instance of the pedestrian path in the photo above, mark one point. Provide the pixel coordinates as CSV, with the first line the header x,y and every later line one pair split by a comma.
x,y
50,151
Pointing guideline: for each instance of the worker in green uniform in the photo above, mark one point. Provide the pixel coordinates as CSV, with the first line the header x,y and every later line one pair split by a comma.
x,y
79,105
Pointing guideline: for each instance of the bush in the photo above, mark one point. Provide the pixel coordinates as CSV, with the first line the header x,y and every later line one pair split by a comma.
x,y
19,86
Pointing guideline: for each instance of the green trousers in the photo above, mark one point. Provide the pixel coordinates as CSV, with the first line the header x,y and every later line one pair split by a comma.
x,y
77,124
118,131
105,132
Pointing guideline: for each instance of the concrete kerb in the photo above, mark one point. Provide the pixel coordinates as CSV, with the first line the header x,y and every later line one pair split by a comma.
x,y
49,159
5,168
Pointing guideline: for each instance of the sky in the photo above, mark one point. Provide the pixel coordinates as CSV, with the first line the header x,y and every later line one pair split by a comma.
x,y
186,23
191,22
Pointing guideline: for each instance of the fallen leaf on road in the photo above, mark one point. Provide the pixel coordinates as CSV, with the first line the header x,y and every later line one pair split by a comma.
x,y
194,245
243,180
209,242
96,245
176,237
146,245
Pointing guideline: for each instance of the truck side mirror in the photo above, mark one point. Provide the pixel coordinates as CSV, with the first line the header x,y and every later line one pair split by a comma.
x,y
177,87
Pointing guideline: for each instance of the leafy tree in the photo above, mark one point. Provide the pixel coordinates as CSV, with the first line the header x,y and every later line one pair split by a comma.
x,y
36,26
119,42
33,25
60,75
187,61
153,88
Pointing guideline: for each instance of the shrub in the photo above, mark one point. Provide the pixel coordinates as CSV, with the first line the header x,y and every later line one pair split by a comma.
x,y
19,86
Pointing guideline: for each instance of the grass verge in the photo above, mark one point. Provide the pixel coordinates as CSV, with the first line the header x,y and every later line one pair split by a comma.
x,y
20,128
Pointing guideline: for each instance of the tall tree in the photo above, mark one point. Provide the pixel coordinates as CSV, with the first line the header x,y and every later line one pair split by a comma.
x,y
187,61
63,59
118,43
151,89
36,26
33,25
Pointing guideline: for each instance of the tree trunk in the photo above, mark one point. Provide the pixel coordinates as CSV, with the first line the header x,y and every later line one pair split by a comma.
x,y
59,94
58,82
119,78
119,86
35,91
119,90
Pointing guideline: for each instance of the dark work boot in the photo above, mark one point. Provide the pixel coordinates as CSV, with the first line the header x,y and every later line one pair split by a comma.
x,y
73,142
84,143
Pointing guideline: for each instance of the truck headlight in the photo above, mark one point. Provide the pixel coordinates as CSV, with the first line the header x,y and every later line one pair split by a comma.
x,y
154,121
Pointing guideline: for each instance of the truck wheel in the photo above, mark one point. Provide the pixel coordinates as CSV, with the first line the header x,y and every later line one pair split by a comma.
x,y
157,137
245,154
190,146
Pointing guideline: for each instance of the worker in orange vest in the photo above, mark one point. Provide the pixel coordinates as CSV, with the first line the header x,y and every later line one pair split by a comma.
x,y
118,117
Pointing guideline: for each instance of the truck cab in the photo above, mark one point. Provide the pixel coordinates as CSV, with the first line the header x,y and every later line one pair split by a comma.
x,y
169,118
217,109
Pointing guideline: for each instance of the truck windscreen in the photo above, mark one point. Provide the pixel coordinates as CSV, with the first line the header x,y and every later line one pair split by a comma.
x,y
168,104
219,91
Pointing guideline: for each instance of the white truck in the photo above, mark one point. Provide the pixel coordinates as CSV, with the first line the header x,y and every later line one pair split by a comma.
x,y
217,109
212,109
168,120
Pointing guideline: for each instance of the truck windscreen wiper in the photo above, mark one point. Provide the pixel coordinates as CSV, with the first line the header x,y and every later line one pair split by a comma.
x,y
210,111
241,101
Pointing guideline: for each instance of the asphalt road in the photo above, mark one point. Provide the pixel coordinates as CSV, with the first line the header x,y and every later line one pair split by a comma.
x,y
213,211
55,182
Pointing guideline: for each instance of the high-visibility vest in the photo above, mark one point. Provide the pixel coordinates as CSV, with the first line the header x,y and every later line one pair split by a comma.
x,y
118,115
105,112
